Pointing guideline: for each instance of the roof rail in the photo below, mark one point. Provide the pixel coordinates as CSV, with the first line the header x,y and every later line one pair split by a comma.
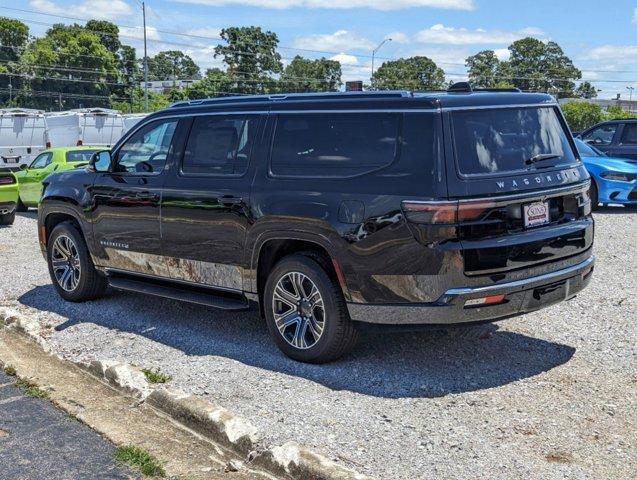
x,y
511,89
293,96
464,87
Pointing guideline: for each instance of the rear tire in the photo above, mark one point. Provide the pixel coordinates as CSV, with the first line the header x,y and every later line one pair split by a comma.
x,y
21,206
7,219
305,311
70,266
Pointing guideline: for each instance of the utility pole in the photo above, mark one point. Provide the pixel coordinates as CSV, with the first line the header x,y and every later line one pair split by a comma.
x,y
145,60
374,54
630,98
10,91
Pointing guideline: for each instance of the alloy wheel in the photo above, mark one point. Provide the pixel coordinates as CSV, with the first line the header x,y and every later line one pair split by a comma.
x,y
298,310
65,260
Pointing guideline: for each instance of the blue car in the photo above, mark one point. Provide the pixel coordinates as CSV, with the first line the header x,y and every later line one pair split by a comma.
x,y
614,180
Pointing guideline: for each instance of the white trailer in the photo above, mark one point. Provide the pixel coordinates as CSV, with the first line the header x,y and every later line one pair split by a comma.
x,y
100,126
132,119
22,136
63,129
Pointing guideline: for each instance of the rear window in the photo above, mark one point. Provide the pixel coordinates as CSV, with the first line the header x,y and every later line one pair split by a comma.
x,y
330,145
80,155
512,139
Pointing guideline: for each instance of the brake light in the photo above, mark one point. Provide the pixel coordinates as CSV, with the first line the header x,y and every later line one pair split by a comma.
x,y
80,143
7,180
446,212
48,144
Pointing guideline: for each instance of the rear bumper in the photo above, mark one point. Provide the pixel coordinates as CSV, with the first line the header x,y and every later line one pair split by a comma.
x,y
7,207
525,295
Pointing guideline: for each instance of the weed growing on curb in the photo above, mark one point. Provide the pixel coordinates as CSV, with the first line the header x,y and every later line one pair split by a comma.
x,y
9,370
154,375
140,458
31,389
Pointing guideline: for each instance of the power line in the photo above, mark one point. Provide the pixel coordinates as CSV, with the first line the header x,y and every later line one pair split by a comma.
x,y
59,79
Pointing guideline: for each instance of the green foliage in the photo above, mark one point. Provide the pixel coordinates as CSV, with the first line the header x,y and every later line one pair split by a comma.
x,y
615,112
171,64
107,32
137,457
9,370
31,389
251,56
581,115
586,90
155,375
487,71
413,73
14,36
215,83
305,75
135,104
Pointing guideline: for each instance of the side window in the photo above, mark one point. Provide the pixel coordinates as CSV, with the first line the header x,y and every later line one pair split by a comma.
x,y
601,135
629,135
147,149
219,145
333,145
41,161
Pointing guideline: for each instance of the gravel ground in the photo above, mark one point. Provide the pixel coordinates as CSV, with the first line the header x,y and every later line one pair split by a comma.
x,y
549,395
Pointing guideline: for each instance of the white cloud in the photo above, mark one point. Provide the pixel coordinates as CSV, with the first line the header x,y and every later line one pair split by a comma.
x,y
340,40
205,32
461,36
342,4
617,53
503,54
345,59
398,37
97,9
137,33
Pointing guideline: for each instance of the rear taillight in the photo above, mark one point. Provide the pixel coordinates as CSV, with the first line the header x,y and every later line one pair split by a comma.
x,y
446,213
48,144
7,180
80,143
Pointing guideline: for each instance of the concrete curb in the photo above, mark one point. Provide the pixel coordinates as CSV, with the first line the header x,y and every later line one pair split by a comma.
x,y
207,419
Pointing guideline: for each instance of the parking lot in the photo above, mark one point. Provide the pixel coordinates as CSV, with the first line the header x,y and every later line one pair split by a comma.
x,y
548,395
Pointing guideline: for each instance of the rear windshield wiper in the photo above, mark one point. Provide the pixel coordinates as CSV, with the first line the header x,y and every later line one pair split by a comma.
x,y
541,157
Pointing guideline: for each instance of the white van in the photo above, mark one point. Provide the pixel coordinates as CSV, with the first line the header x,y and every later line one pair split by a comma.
x,y
63,129
22,136
100,126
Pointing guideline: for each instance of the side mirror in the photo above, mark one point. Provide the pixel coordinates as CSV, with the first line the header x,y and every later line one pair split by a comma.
x,y
101,161
23,166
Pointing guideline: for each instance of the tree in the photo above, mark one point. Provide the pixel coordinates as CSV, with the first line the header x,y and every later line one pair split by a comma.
x,y
14,36
581,115
305,75
215,83
251,57
108,33
538,66
487,71
135,104
414,73
172,64
586,90
616,112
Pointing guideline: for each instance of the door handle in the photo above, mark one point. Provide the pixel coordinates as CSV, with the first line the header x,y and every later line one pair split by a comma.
x,y
229,200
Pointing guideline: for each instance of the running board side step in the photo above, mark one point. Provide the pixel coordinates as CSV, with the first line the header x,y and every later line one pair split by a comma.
x,y
174,292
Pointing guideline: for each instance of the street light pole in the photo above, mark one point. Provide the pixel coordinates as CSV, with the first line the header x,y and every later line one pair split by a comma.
x,y
630,98
374,53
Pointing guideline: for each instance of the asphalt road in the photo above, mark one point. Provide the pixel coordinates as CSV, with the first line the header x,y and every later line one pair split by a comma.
x,y
39,442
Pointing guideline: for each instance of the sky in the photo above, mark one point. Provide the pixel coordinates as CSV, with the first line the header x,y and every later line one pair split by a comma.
x,y
602,41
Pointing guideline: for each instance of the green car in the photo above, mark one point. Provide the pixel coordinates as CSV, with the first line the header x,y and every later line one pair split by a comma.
x,y
8,197
49,161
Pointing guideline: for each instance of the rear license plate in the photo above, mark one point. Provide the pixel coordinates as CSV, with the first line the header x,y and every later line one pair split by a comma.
x,y
536,214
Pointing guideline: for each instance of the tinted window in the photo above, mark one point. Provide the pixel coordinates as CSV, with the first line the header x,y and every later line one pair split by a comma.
x,y
629,135
219,145
504,140
333,145
146,150
41,161
585,150
80,155
601,135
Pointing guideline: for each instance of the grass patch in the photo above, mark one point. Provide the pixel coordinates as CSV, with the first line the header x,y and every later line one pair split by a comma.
x,y
9,370
154,375
140,458
31,389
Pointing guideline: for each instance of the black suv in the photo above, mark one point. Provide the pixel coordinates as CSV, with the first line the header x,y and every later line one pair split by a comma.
x,y
616,138
328,210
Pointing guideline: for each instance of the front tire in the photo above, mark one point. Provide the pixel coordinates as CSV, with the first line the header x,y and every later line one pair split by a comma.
x,y
21,206
305,311
594,193
70,266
